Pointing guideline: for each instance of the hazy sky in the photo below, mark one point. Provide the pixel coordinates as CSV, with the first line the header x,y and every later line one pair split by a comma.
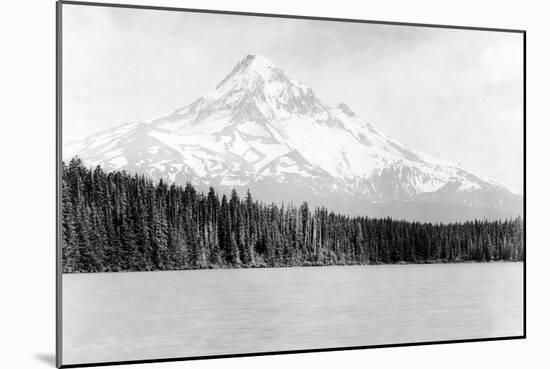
x,y
453,94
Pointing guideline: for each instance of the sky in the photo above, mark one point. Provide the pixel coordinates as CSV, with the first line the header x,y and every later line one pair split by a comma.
x,y
453,94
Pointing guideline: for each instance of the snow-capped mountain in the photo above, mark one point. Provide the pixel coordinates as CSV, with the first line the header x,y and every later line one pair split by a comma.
x,y
263,131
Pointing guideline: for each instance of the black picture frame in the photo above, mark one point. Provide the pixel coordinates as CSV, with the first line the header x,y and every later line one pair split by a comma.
x,y
59,94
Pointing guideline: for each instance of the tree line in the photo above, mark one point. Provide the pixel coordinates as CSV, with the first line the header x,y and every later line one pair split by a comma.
x,y
127,222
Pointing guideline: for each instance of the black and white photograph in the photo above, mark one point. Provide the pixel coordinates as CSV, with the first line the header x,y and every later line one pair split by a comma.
x,y
237,184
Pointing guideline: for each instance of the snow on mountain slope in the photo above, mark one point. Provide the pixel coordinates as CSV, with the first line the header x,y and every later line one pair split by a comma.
x,y
261,130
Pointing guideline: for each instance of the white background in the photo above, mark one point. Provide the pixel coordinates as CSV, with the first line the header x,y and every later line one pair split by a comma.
x,y
27,186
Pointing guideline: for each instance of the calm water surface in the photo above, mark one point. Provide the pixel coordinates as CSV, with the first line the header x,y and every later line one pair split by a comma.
x,y
148,315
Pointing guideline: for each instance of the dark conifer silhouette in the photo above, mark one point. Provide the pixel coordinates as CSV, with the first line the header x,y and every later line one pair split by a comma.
x,y
122,222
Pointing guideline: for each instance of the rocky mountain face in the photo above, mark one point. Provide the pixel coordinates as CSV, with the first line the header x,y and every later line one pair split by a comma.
x,y
263,131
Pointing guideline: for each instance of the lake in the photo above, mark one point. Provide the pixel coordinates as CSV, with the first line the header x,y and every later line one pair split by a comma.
x,y
151,315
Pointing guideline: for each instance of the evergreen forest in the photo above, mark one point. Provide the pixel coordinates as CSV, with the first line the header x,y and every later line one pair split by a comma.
x,y
119,221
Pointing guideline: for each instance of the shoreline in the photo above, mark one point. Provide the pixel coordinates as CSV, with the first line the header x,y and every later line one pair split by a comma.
x,y
306,266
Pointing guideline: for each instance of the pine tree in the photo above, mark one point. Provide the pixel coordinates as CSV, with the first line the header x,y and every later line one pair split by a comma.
x,y
69,246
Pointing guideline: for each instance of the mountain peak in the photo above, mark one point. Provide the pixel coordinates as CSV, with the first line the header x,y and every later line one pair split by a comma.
x,y
258,62
252,65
